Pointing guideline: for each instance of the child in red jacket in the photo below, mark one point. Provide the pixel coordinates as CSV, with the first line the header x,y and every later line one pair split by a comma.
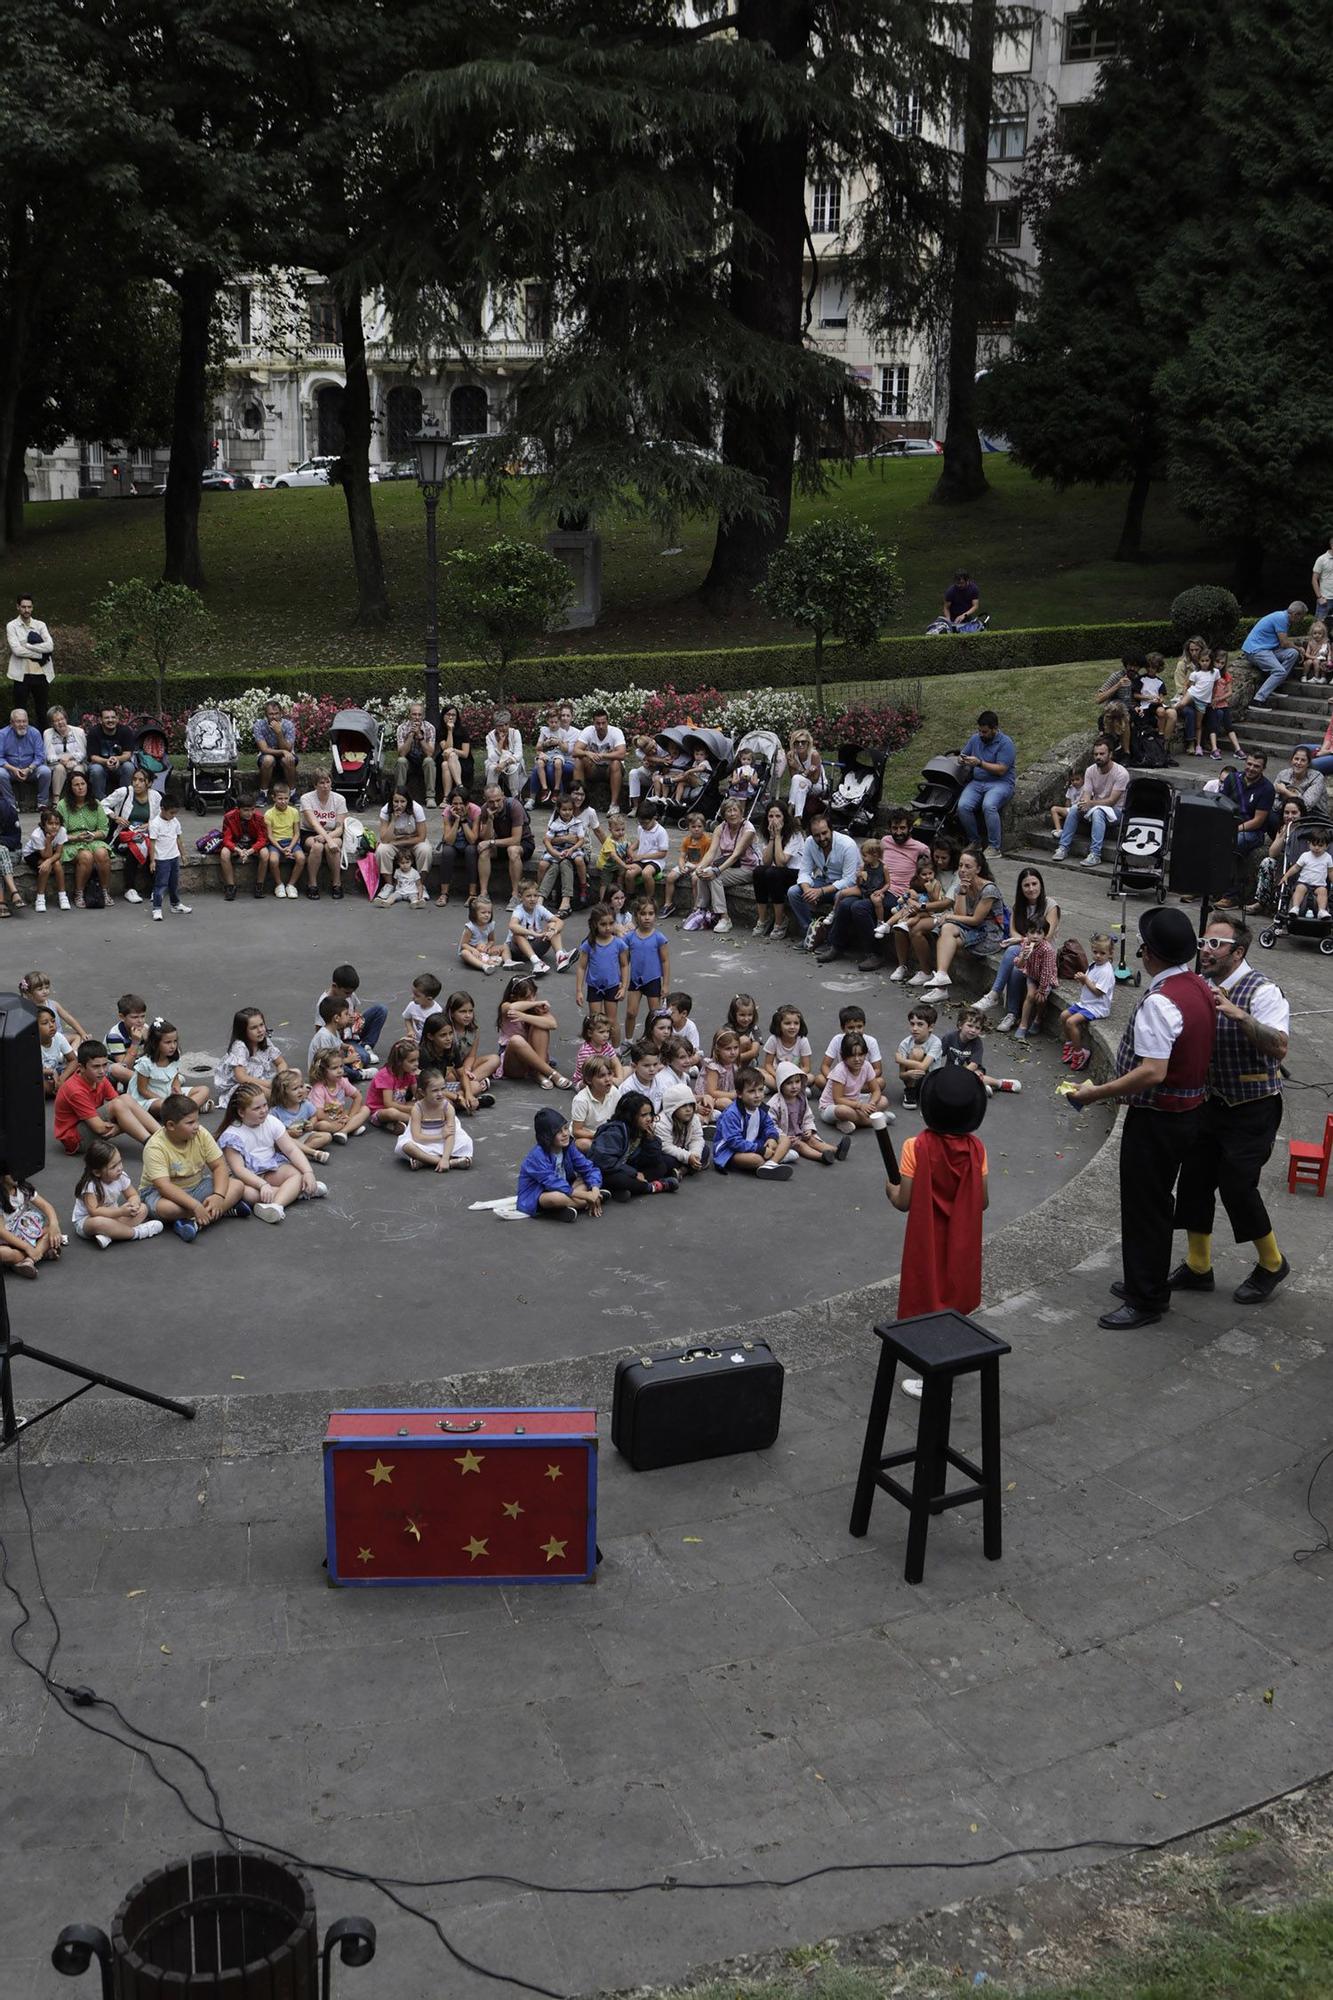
x,y
244,836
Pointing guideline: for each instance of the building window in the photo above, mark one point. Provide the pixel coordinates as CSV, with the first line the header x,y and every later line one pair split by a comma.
x,y
826,209
469,412
1008,139
536,313
1071,121
893,387
908,117
325,325
329,420
252,417
404,420
832,302
243,314
1089,41
1004,224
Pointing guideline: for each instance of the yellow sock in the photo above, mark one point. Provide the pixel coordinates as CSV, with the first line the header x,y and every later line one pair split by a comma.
x,y
1267,1252
1199,1254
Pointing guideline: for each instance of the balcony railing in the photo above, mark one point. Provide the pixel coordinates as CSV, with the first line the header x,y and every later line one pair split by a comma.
x,y
252,352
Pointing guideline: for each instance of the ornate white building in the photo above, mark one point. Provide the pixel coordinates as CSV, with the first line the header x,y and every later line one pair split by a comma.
x,y
283,383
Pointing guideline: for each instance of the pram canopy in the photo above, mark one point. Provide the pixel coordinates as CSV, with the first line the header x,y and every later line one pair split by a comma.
x,y
210,738
150,748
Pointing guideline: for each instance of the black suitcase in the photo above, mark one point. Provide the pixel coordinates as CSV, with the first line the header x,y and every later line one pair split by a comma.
x,y
696,1402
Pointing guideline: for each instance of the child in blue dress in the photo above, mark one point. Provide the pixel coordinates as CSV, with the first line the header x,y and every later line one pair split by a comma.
x,y
601,967
649,962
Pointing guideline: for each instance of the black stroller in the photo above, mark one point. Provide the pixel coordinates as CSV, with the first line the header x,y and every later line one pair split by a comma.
x,y
762,750
859,788
1291,919
701,793
936,803
1144,845
357,747
151,754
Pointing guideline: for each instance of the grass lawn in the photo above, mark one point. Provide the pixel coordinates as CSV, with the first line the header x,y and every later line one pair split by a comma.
x,y
1036,706
1231,1956
279,577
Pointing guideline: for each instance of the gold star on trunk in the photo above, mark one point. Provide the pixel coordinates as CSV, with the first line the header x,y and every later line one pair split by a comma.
x,y
512,1508
413,1530
474,1548
365,1555
555,1472
553,1548
470,1461
380,1474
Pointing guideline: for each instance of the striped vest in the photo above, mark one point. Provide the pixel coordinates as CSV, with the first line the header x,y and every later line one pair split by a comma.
x,y
1240,1072
1185,1084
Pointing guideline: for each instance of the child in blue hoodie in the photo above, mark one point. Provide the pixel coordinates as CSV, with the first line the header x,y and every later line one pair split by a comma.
x,y
556,1179
746,1136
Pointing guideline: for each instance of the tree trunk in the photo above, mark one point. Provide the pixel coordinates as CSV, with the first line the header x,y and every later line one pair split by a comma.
x,y
1131,532
768,191
962,477
819,668
14,483
372,591
189,432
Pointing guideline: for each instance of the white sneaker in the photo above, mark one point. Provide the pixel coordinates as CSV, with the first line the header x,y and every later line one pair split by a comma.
x,y
1061,854
183,909
319,1191
919,979
1009,1021
911,1386
385,894
846,1124
986,1006
1092,861
133,896
564,959
882,930
102,1242
940,979
157,916
145,1231
40,906
722,925
878,1121
539,968
898,974
63,900
268,1211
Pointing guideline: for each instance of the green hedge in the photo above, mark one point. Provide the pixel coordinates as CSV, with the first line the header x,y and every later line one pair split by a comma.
x,y
729,668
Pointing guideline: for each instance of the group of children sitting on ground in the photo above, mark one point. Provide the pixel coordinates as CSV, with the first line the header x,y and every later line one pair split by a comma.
x,y
650,1108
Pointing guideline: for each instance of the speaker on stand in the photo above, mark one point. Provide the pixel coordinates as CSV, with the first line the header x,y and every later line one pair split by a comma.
x,y
1202,860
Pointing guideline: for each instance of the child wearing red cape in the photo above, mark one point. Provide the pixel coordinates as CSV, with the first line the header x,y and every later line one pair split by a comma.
x,y
942,1190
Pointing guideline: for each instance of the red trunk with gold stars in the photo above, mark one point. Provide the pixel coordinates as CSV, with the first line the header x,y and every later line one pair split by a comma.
x,y
461,1496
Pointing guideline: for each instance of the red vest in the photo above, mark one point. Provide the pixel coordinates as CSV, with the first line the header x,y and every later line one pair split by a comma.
x,y
1185,1084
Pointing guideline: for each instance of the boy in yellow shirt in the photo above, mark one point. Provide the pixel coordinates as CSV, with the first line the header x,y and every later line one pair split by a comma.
x,y
284,844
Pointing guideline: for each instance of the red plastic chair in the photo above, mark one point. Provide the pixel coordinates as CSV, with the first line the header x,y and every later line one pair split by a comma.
x,y
1309,1164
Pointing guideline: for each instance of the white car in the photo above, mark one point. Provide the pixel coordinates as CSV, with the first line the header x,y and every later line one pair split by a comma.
x,y
310,472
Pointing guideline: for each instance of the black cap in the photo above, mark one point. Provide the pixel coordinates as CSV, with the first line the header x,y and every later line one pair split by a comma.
x,y
953,1100
1169,935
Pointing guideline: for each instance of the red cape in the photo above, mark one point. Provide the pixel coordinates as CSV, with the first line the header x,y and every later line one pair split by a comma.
x,y
941,1268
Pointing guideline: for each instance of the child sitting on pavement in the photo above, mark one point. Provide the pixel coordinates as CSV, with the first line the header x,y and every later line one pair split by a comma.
x,y
555,1179
853,1094
29,1228
107,1207
964,1045
920,1050
679,1128
796,1121
748,1139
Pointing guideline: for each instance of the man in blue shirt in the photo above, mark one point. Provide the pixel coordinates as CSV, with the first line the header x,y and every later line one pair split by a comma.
x,y
990,756
1269,650
828,862
23,755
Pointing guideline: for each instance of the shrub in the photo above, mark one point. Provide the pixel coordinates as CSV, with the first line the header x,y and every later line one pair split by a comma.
x,y
1209,610
875,725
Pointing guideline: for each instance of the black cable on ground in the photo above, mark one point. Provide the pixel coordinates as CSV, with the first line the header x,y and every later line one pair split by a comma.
x,y
73,1700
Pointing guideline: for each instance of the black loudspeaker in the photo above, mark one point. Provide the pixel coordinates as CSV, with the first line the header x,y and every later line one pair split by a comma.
x,y
1203,845
22,1102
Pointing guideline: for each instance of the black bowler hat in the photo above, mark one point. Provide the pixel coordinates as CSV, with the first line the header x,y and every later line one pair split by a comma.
x,y
1169,935
953,1100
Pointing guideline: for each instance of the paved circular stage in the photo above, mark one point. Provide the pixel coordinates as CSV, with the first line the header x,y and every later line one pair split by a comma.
x,y
395,1277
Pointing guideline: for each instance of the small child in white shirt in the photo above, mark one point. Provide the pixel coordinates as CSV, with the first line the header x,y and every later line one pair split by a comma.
x,y
534,931
920,1049
1313,871
1093,1003
425,1001
477,945
165,833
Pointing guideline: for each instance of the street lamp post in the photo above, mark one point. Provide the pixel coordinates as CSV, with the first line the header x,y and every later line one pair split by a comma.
x,y
432,452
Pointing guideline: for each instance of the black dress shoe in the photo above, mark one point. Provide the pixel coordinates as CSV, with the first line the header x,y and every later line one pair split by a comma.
x,y
1128,1316
1117,1286
1183,1279
1261,1284
826,957
871,963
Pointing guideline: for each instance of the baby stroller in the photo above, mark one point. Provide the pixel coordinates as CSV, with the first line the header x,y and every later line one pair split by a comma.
x,y
763,749
701,794
941,627
150,754
1290,920
211,760
936,803
858,790
1145,839
357,746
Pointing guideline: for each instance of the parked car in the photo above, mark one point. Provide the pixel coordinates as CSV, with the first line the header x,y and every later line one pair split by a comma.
x,y
395,468
906,447
264,481
310,472
220,481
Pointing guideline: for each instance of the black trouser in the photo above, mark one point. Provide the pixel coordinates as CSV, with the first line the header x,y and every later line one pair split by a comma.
x,y
1152,1146
449,857
34,691
1231,1150
770,885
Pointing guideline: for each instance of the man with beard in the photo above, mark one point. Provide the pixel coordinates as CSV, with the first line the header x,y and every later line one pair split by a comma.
x,y
1239,1123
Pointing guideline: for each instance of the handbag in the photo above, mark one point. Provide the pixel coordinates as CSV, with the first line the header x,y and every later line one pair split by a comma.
x,y
1071,960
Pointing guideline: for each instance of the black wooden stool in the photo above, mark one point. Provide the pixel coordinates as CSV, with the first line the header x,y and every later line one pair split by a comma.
x,y
937,1347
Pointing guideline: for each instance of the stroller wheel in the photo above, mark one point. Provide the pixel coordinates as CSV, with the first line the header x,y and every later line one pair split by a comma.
x,y
1161,892
1269,938
1326,947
